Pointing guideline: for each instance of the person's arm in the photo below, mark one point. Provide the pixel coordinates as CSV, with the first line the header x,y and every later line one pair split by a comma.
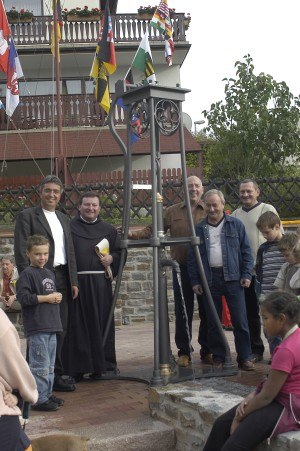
x,y
14,368
192,268
281,276
140,234
115,251
51,298
246,254
27,298
72,266
22,232
268,393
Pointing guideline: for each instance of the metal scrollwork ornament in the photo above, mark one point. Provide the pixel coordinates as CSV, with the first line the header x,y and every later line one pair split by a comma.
x,y
167,116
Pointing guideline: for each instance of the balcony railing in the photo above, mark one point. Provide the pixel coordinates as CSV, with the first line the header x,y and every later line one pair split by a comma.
x,y
127,28
40,112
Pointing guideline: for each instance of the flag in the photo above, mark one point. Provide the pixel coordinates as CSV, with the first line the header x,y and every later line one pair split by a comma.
x,y
129,77
104,61
4,34
13,73
58,28
162,22
106,44
143,59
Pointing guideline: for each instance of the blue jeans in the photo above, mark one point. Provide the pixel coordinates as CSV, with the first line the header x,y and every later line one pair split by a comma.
x,y
41,353
181,334
235,298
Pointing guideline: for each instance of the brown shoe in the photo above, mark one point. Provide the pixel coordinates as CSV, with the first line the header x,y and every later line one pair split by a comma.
x,y
218,364
247,365
183,360
207,359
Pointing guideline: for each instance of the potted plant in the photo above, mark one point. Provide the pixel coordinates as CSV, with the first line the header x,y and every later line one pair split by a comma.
x,y
186,21
23,15
82,14
146,12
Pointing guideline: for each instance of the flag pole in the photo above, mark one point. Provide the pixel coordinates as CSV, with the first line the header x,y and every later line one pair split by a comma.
x,y
61,168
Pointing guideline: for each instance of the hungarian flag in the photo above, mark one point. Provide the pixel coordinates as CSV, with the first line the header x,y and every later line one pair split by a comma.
x,y
12,87
4,34
143,59
162,22
104,61
59,22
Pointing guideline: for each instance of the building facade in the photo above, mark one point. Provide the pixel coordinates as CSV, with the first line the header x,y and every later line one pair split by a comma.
x,y
31,135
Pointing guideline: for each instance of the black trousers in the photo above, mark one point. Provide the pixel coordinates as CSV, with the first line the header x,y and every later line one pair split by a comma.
x,y
254,322
253,430
12,436
63,287
181,334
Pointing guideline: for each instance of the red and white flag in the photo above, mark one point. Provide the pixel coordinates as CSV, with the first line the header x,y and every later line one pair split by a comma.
x,y
162,22
12,87
4,34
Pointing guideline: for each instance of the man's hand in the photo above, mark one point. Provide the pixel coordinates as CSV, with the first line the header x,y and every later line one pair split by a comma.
x,y
197,289
106,260
75,291
245,283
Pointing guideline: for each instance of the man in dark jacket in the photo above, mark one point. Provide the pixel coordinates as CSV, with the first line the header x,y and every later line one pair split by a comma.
x,y
55,226
228,263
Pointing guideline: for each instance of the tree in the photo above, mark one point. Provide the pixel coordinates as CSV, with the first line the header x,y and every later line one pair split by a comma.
x,y
255,131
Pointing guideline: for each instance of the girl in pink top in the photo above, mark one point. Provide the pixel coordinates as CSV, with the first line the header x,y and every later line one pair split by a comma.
x,y
275,405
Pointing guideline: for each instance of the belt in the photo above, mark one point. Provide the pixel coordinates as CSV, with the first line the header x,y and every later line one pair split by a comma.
x,y
91,272
60,268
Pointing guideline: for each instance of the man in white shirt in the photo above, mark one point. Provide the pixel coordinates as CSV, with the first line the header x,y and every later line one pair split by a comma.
x,y
47,221
249,213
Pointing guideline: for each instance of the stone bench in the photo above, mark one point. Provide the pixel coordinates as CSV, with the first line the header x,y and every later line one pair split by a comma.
x,y
191,408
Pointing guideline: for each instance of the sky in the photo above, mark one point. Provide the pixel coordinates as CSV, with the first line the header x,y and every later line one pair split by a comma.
x,y
222,32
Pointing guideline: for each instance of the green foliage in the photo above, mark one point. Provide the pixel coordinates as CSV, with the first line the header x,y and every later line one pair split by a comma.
x,y
255,129
191,160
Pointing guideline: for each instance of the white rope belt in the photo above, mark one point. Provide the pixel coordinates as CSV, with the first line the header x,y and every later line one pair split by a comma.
x,y
91,272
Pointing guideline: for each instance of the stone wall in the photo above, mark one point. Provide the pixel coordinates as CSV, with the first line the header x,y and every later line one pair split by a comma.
x,y
135,297
192,408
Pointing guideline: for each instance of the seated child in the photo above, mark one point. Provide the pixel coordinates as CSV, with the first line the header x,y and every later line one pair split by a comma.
x,y
269,260
274,407
39,300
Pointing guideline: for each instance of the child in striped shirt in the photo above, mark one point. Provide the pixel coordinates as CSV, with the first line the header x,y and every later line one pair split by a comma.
x,y
269,260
